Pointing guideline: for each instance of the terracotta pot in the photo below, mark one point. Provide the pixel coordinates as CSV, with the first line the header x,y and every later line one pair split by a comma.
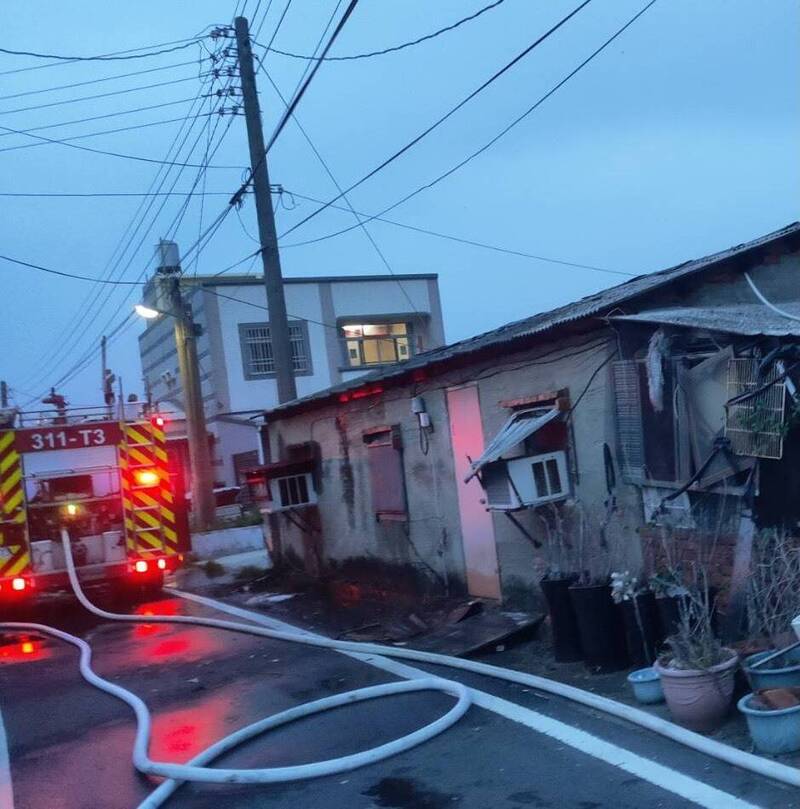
x,y
699,699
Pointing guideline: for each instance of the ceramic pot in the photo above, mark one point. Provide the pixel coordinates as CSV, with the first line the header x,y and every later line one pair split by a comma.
x,y
699,699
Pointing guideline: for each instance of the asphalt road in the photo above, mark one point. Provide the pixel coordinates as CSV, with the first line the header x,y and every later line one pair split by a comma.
x,y
69,745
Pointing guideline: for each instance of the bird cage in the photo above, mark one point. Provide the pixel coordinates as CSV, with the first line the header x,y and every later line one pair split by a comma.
x,y
755,424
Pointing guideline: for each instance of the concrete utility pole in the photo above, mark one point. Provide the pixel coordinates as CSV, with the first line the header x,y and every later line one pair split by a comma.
x,y
203,505
273,280
3,394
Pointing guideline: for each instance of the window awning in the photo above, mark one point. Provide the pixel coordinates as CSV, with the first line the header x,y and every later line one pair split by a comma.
x,y
521,425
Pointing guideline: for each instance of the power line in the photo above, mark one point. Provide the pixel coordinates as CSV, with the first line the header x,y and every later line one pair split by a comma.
x,y
140,158
102,58
450,237
103,116
483,148
496,75
338,187
98,81
179,140
392,49
99,95
67,141
67,274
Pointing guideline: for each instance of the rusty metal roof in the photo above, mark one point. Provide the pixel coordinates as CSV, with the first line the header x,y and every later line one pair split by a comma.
x,y
599,304
745,319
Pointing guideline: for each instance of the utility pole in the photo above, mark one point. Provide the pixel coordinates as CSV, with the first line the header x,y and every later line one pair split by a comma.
x,y
186,332
273,280
3,394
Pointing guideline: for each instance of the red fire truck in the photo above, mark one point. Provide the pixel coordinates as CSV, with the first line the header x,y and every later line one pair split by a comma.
x,y
108,481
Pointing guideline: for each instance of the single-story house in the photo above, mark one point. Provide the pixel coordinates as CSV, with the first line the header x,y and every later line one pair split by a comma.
x,y
567,441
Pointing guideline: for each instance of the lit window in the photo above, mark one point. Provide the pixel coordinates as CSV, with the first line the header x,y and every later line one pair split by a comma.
x,y
257,354
376,343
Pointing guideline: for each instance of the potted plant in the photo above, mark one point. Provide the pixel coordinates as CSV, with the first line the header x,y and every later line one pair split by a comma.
x,y
555,586
773,600
639,616
599,622
697,672
773,719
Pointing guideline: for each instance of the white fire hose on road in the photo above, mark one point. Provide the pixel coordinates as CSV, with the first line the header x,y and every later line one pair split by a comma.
x,y
197,771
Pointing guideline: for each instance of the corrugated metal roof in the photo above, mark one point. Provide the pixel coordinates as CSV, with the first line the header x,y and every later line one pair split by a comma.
x,y
600,303
746,319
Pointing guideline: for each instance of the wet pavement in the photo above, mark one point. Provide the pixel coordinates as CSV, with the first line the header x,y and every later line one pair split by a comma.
x,y
70,745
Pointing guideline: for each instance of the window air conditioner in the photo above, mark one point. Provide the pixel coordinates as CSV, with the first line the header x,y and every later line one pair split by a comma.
x,y
526,482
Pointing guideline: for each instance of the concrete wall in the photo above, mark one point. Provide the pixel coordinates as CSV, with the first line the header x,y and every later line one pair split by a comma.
x,y
318,303
349,530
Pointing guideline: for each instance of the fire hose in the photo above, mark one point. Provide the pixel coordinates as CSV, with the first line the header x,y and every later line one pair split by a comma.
x,y
197,771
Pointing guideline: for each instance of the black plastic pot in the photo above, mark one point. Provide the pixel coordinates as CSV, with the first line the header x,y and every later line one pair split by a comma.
x,y
643,642
669,613
600,627
566,639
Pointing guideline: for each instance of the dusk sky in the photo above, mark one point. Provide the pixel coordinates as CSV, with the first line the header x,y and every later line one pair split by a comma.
x,y
678,140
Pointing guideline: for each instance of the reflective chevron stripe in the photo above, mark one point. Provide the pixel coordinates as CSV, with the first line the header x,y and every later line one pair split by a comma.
x,y
15,558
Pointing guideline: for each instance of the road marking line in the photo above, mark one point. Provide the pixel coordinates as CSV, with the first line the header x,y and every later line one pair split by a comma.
x,y
659,775
6,787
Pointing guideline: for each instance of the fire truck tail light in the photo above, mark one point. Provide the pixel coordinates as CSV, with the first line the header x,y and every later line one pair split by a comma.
x,y
162,564
18,584
159,421
140,566
146,477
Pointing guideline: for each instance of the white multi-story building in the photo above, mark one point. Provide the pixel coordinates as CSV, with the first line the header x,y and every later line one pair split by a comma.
x,y
341,327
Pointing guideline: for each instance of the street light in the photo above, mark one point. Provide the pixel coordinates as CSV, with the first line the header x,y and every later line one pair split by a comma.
x,y
146,312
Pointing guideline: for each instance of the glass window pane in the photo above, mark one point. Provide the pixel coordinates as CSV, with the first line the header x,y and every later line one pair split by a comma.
x,y
353,352
386,350
352,331
376,329
403,352
370,348
540,480
398,328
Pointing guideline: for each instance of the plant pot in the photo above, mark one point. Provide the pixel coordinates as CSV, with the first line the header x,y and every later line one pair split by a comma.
x,y
566,640
772,732
643,642
646,686
699,699
600,628
786,676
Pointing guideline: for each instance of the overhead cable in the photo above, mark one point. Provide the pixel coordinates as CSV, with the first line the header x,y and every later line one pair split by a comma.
x,y
103,57
496,75
98,81
394,48
99,95
483,148
450,237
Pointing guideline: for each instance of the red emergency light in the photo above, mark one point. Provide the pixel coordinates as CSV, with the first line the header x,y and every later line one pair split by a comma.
x,y
146,477
18,584
140,566
162,564
159,421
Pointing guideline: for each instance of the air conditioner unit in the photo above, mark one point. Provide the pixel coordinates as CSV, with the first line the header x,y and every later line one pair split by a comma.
x,y
526,482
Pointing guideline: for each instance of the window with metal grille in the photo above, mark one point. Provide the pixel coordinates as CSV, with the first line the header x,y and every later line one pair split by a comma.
x,y
376,343
257,356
